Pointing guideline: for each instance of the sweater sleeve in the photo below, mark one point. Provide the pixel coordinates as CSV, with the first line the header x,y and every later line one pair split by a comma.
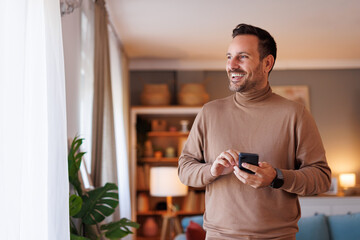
x,y
193,170
312,174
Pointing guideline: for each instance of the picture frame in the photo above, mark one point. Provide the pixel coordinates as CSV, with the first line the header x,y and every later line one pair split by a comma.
x,y
297,93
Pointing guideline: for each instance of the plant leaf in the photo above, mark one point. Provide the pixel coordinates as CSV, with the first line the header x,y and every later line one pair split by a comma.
x,y
75,203
74,161
98,204
76,237
118,229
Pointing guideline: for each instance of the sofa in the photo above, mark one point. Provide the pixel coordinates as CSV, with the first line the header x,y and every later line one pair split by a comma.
x,y
317,227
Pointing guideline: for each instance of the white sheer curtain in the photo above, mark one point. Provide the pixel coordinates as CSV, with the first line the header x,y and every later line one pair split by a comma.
x,y
119,85
33,147
87,86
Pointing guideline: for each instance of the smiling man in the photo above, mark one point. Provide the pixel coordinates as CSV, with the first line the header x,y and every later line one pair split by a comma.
x,y
292,162
244,68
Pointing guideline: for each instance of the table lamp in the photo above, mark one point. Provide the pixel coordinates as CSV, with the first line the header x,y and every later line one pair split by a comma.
x,y
347,183
347,180
164,182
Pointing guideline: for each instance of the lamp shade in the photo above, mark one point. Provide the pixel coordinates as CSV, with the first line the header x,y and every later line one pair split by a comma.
x,y
164,181
347,180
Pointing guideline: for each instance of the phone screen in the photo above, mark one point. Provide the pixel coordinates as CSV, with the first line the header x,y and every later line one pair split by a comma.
x,y
251,158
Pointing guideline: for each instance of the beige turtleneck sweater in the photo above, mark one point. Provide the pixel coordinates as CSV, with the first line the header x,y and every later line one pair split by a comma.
x,y
284,134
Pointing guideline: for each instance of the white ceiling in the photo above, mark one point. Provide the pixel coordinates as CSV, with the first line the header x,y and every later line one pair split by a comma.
x,y
194,34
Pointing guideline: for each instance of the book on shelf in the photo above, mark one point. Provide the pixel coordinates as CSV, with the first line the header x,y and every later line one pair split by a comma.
x,y
143,177
202,201
194,202
147,176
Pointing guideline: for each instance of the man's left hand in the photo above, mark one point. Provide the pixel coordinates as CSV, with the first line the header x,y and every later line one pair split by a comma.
x,y
264,174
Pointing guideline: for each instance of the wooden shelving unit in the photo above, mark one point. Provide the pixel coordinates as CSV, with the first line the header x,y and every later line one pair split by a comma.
x,y
168,134
162,212
158,160
160,139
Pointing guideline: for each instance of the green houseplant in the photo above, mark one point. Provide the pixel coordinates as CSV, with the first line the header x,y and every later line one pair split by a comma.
x,y
89,208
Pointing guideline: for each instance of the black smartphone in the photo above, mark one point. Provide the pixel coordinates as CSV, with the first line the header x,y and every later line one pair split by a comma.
x,y
251,158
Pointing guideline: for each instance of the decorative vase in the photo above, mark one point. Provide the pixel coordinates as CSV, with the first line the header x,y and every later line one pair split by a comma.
x,y
155,95
193,94
143,202
170,152
158,154
148,149
158,125
184,125
150,227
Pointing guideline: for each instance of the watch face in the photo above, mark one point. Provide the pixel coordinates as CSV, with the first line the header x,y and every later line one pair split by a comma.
x,y
278,182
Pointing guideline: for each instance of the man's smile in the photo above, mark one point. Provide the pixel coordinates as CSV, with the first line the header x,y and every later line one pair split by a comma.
x,y
234,75
237,76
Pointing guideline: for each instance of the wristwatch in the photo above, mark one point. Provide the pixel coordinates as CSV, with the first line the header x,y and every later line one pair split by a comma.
x,y
278,180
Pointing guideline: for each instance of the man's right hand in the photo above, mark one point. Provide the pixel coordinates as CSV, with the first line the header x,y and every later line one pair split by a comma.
x,y
224,163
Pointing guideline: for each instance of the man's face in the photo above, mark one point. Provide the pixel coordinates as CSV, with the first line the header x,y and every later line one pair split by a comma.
x,y
244,68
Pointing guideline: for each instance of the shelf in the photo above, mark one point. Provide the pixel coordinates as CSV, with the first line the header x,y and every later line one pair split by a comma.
x,y
161,140
162,212
166,110
167,134
158,160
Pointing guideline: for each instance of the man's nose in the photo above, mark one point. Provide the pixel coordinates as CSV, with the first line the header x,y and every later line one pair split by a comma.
x,y
233,64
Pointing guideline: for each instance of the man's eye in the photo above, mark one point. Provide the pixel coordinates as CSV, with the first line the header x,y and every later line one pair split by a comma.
x,y
243,56
228,57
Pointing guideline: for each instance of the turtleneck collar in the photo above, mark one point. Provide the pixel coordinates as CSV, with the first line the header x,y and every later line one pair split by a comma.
x,y
253,97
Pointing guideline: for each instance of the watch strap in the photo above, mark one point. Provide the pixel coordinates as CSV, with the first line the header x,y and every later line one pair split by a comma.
x,y
278,180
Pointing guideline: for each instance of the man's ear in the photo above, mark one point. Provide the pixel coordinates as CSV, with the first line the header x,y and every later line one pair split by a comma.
x,y
268,63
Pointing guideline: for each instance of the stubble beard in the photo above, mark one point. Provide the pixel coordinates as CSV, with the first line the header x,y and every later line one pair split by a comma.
x,y
249,82
245,86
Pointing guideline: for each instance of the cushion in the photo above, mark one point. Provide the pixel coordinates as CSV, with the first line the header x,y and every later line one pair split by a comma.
x,y
186,220
314,227
181,236
344,226
195,232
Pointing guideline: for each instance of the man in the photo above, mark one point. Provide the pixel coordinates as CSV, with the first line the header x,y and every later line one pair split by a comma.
x,y
292,161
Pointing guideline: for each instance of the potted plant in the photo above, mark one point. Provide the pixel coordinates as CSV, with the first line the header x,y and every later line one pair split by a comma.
x,y
89,208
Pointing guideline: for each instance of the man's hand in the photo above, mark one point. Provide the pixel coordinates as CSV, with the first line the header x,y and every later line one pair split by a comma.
x,y
264,174
224,163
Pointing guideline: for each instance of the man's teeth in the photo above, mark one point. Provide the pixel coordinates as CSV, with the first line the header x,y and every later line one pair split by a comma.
x,y
238,74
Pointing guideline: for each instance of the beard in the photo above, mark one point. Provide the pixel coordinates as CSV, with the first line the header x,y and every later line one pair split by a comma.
x,y
248,83
244,86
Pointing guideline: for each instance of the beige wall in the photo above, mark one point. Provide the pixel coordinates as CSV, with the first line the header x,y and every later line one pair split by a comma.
x,y
334,99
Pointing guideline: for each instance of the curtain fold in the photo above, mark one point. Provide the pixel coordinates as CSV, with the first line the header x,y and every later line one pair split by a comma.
x,y
33,145
110,113
87,81
101,76
120,96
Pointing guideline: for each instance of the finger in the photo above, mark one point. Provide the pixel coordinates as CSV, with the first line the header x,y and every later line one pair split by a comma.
x,y
264,169
227,156
235,156
246,178
236,169
252,180
238,174
264,164
224,162
250,167
244,175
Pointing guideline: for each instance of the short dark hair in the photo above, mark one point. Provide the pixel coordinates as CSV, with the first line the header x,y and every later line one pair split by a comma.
x,y
267,44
